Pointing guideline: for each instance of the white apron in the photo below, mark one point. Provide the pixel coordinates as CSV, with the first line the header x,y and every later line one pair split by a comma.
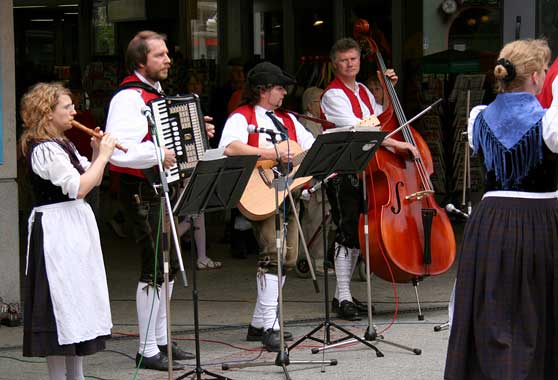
x,y
75,270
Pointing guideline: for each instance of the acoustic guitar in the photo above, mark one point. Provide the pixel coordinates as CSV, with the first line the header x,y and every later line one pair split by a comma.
x,y
258,200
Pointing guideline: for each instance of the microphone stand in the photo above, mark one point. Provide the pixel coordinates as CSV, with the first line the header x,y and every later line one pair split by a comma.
x,y
467,165
167,212
465,202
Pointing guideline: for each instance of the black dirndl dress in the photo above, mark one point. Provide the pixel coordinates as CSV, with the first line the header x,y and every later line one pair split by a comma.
x,y
40,336
506,310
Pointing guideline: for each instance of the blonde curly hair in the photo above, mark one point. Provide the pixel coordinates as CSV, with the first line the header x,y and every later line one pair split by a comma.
x,y
36,106
517,61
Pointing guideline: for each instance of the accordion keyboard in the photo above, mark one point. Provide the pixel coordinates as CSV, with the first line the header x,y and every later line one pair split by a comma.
x,y
180,127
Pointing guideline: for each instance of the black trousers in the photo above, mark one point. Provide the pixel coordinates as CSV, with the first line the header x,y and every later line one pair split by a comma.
x,y
344,193
142,208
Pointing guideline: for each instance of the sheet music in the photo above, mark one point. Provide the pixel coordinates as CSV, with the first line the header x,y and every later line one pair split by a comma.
x,y
352,128
214,154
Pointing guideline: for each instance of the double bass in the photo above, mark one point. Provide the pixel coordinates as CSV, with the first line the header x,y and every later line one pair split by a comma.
x,y
410,236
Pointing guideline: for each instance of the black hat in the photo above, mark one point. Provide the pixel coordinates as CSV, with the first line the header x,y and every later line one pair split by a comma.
x,y
265,73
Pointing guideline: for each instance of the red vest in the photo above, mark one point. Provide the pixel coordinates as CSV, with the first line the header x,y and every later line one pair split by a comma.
x,y
249,114
545,97
355,104
146,96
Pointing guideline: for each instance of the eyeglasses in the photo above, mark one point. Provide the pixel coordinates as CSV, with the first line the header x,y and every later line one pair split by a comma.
x,y
70,106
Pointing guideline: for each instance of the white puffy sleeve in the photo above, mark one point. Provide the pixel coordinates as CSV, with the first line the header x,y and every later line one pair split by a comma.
x,y
50,162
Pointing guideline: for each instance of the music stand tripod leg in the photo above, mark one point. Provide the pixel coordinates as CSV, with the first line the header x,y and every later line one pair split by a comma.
x,y
304,245
165,245
371,334
198,371
168,220
328,324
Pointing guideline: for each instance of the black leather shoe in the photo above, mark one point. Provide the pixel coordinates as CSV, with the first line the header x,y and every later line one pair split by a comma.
x,y
177,352
360,306
256,334
335,305
348,311
271,340
158,362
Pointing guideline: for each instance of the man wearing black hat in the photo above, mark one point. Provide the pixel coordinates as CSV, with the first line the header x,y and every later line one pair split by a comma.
x,y
263,95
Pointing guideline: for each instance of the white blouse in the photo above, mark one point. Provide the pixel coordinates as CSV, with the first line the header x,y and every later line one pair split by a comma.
x,y
50,162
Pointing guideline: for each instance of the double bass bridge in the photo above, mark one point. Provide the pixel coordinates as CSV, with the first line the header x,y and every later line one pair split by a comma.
x,y
419,195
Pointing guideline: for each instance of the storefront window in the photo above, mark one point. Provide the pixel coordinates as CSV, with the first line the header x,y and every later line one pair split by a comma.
x,y
476,28
204,31
314,24
268,31
548,23
103,30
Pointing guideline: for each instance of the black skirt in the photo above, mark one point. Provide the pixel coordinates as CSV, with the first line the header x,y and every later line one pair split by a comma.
x,y
40,337
506,306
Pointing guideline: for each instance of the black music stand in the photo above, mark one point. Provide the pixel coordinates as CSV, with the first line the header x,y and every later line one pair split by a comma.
x,y
214,185
343,152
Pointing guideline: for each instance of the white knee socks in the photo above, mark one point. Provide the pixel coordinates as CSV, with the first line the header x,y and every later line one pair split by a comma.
x,y
65,367
152,325
74,368
56,367
265,311
161,321
345,263
257,317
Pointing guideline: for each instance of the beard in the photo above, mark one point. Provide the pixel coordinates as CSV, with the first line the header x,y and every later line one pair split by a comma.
x,y
158,75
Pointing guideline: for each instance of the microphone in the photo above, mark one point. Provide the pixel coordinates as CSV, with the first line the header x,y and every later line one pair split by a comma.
x,y
272,132
307,193
451,208
146,111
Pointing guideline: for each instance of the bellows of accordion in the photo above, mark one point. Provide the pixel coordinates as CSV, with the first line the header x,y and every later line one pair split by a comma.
x,y
180,127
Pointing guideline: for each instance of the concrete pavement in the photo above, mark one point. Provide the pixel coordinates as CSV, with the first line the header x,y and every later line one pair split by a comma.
x,y
226,303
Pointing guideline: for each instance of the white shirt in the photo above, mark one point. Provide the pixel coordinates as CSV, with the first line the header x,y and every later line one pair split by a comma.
x,y
50,162
236,129
337,106
127,124
549,124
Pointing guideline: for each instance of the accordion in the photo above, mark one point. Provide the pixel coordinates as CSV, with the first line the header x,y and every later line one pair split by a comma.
x,y
180,127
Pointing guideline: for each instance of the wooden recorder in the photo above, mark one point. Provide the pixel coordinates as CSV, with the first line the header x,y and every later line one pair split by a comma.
x,y
91,132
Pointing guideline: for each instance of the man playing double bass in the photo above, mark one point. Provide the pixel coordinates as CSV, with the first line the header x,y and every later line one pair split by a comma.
x,y
346,102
